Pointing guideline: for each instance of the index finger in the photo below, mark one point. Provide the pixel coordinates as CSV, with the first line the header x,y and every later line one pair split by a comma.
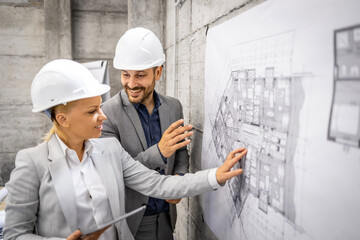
x,y
174,126
239,150
235,158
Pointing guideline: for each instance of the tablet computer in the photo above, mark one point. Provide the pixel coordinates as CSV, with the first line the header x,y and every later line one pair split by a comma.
x,y
102,226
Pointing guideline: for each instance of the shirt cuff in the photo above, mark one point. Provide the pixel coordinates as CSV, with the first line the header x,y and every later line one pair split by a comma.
x,y
212,179
163,158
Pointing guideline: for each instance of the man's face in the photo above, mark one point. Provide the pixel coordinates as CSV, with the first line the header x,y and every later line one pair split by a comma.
x,y
139,85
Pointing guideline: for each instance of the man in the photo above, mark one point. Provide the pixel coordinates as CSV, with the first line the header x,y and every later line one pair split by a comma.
x,y
138,117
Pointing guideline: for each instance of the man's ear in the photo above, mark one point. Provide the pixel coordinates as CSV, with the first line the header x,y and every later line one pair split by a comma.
x,y
158,72
62,120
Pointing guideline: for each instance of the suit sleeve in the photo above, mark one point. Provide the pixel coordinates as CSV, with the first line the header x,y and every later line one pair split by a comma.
x,y
151,157
181,164
151,183
22,201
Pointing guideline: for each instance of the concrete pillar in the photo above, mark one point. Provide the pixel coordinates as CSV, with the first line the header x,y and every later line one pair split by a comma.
x,y
57,29
21,56
150,15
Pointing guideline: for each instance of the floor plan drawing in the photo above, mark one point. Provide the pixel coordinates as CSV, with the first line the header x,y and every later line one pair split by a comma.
x,y
254,111
257,111
346,96
287,90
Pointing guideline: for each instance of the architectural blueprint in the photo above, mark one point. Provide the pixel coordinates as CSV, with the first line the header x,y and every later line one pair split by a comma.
x,y
287,89
344,124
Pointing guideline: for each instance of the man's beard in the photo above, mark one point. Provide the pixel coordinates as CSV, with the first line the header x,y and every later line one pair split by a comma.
x,y
143,97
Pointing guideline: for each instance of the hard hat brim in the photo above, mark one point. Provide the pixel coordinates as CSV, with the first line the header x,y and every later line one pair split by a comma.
x,y
101,89
122,66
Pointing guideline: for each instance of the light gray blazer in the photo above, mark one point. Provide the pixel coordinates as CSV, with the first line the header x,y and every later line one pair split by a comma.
x,y
124,123
41,196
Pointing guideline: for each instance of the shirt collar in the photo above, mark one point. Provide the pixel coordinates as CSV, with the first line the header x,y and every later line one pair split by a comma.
x,y
156,99
88,146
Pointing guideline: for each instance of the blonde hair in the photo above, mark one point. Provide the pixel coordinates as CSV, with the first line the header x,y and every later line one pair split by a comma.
x,y
56,126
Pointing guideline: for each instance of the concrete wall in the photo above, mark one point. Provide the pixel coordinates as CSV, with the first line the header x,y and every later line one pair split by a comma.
x,y
22,52
150,15
33,32
191,21
95,28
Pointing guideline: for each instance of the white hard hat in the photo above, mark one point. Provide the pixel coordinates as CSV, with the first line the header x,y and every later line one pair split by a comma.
x,y
138,49
61,81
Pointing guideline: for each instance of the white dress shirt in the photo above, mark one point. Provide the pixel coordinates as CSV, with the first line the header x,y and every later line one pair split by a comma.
x,y
92,203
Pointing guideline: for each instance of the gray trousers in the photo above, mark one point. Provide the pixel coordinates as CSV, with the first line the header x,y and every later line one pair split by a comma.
x,y
156,227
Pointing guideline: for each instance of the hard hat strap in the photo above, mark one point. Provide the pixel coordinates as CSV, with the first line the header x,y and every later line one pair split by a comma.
x,y
48,112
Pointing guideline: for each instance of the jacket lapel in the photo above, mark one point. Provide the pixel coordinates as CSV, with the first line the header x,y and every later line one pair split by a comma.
x,y
133,115
165,122
164,115
61,177
107,175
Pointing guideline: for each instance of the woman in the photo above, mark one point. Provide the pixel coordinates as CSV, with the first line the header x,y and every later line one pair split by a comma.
x,y
74,182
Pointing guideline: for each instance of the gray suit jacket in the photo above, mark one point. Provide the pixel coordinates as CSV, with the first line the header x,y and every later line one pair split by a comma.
x,y
124,123
41,195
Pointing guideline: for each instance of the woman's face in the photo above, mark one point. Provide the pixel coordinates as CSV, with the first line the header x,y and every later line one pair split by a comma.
x,y
84,120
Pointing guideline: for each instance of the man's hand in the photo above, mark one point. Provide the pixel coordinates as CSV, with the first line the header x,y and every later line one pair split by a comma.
x,y
170,140
224,173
